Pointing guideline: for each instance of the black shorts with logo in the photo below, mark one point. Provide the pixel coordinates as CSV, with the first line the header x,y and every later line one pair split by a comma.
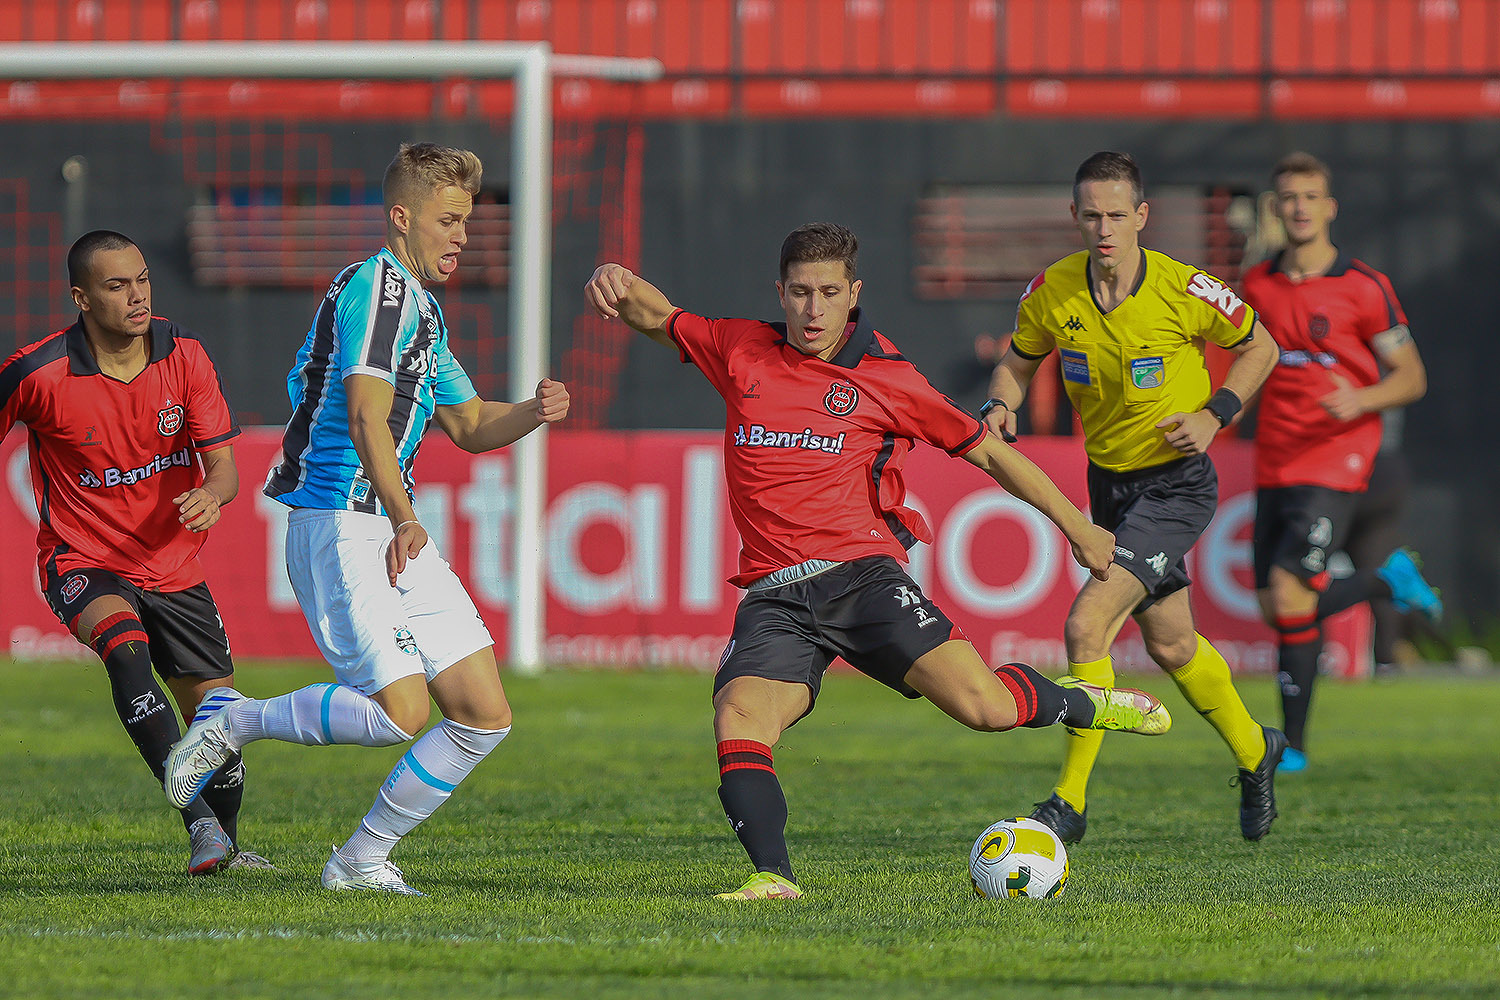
x,y
1156,515
1298,528
183,627
867,611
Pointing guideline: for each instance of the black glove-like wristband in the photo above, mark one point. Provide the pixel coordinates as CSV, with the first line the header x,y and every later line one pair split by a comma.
x,y
1224,405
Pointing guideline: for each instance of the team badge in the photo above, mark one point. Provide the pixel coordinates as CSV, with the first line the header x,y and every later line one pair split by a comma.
x,y
1146,373
169,421
406,641
72,587
1318,326
841,400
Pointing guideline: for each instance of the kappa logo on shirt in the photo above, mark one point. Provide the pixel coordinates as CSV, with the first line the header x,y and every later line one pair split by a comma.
x,y
169,420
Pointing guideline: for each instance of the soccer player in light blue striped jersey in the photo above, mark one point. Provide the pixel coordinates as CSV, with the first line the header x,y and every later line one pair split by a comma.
x,y
384,607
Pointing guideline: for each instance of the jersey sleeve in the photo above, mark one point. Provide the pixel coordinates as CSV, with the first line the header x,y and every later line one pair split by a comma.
x,y
1215,311
1382,311
12,392
209,417
1031,340
923,413
375,321
702,342
450,383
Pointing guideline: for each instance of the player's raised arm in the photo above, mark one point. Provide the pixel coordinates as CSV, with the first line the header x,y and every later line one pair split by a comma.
x,y
1093,547
616,292
479,425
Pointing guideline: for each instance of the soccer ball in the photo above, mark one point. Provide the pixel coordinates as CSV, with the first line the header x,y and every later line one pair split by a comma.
x,y
1018,858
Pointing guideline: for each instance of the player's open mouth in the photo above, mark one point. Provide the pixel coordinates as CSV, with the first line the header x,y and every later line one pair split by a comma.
x,y
138,315
448,263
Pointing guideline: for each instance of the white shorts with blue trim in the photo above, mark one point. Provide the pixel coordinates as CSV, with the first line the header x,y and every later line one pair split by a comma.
x,y
370,632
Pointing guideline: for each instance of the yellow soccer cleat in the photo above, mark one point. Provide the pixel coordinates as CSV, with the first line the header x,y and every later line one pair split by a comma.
x,y
763,885
1123,710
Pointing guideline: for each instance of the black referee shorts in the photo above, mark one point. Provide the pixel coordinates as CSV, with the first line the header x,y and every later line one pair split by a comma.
x,y
868,611
183,628
1156,515
1298,528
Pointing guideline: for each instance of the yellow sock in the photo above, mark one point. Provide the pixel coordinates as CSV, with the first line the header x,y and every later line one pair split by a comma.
x,y
1204,681
1082,748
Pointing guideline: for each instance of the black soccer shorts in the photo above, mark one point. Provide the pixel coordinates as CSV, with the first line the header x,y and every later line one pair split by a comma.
x,y
1298,528
868,611
183,628
1156,515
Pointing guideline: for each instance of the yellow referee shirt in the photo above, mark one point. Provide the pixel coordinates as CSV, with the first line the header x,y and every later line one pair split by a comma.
x,y
1127,369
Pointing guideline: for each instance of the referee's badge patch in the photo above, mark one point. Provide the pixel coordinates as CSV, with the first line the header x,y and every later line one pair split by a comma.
x,y
841,400
1075,366
1147,373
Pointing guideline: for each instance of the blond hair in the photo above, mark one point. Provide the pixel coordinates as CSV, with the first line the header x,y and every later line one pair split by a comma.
x,y
421,169
1301,163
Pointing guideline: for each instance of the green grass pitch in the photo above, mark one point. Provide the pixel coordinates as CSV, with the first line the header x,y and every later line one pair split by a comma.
x,y
579,860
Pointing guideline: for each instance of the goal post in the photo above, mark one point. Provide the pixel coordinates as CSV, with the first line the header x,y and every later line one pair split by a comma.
x,y
533,66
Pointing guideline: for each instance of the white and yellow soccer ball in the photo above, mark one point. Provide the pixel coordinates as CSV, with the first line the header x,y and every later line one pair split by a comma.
x,y
1018,858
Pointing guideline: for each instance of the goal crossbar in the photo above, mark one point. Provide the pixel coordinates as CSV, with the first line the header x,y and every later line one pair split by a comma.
x,y
532,65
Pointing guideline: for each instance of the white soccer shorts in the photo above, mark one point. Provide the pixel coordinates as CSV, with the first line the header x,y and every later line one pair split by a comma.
x,y
370,632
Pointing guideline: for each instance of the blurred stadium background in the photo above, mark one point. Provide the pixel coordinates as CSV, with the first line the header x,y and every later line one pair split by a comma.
x,y
943,131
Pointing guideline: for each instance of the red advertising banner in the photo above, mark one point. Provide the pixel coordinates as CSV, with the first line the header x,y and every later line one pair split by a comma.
x,y
638,543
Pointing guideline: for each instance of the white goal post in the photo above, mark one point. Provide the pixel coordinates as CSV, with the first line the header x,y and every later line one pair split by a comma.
x,y
533,66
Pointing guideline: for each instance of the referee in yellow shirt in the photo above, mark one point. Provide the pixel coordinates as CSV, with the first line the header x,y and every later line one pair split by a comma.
x,y
1129,325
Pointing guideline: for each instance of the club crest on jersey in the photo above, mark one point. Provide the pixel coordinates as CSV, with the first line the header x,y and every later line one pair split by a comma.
x,y
841,400
1318,326
72,587
169,421
406,641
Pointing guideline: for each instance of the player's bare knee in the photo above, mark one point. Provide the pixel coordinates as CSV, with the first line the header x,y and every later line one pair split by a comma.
x,y
991,715
1083,634
407,715
1174,653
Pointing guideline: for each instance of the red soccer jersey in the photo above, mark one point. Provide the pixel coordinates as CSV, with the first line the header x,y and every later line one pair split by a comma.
x,y
1323,325
813,449
107,457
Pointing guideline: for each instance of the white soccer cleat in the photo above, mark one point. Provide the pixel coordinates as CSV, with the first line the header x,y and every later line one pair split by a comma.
x,y
340,873
250,860
202,750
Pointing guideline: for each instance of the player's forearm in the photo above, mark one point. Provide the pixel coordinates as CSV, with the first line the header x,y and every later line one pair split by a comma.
x,y
1251,366
222,480
377,457
645,308
1010,381
500,424
1400,387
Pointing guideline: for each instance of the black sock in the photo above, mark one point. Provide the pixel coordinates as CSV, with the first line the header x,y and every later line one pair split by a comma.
x,y
143,708
223,794
1301,645
1041,703
755,805
1351,590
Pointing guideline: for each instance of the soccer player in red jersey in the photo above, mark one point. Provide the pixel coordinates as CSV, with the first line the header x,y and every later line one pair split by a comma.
x,y
120,409
821,413
1346,355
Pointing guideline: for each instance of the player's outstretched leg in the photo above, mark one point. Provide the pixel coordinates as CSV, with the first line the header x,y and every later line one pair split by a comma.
x,y
756,807
317,715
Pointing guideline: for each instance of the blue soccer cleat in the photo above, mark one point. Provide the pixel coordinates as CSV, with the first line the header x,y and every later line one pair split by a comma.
x,y
1409,590
1292,761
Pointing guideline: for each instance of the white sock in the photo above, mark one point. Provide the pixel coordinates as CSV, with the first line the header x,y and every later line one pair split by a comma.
x,y
421,781
316,715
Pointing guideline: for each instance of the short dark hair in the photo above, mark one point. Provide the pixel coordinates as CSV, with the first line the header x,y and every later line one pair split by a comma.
x,y
1111,166
81,254
817,242
1301,163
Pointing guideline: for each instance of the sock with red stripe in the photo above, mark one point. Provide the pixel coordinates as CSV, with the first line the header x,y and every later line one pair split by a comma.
x,y
1301,644
755,804
143,708
1041,703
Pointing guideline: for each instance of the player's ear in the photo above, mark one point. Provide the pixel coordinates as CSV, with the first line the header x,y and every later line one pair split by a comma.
x,y
1141,212
854,292
1333,208
80,299
781,293
400,219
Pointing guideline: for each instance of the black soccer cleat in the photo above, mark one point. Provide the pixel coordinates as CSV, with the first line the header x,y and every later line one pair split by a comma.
x,y
1257,788
1068,823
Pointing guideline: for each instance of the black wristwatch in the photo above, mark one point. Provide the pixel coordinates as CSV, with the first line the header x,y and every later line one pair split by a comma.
x,y
990,404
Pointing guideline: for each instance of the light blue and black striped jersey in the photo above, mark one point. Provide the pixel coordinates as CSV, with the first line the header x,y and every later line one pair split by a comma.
x,y
375,320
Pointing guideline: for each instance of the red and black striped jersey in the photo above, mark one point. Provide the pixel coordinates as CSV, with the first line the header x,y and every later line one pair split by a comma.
x,y
107,457
813,449
1324,325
